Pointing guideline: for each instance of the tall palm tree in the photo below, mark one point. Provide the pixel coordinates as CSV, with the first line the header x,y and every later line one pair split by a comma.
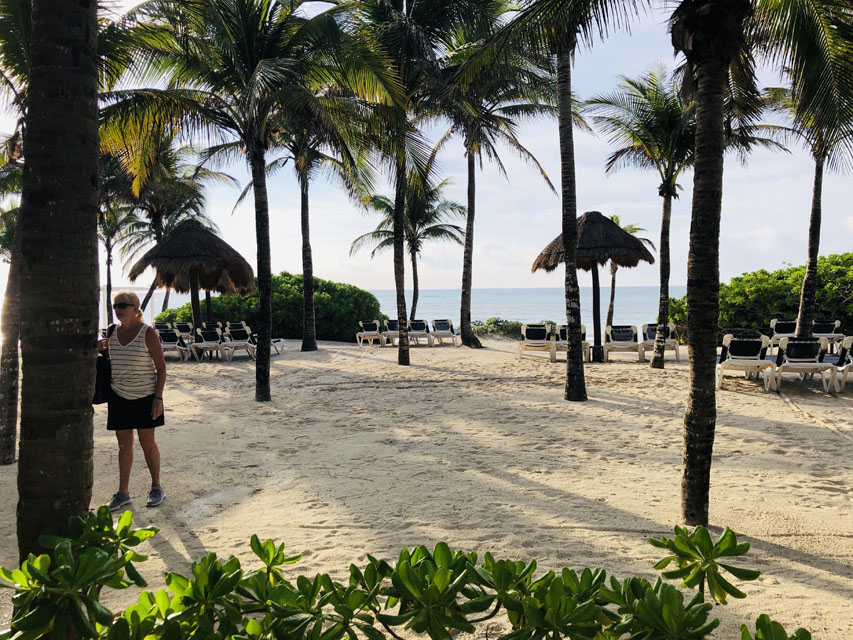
x,y
831,147
234,66
426,216
813,39
633,229
113,219
9,367
652,127
58,229
556,27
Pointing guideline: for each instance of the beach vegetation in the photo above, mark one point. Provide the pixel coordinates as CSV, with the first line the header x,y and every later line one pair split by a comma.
x,y
338,308
428,592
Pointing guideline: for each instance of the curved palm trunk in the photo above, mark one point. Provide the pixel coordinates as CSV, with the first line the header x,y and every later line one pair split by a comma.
x,y
805,317
575,384
309,330
109,292
703,289
467,333
399,264
59,324
9,366
414,258
613,269
663,302
148,295
195,305
165,300
157,224
262,234
208,306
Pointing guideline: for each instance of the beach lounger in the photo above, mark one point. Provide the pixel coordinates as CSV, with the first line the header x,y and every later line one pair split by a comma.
x,y
369,332
443,329
805,357
650,333
276,344
782,329
747,355
828,329
186,331
536,337
419,330
622,337
162,326
211,325
237,338
391,332
241,324
561,340
171,340
843,365
207,341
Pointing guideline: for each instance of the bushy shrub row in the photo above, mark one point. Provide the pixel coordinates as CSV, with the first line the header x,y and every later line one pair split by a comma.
x,y
752,300
337,308
436,593
504,328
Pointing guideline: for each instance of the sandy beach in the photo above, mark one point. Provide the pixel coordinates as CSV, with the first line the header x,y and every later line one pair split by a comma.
x,y
356,455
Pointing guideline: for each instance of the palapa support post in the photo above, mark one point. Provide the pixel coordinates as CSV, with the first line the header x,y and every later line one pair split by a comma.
x,y
597,348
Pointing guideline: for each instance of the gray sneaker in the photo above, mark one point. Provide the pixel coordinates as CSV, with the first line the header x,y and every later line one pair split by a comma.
x,y
156,496
120,499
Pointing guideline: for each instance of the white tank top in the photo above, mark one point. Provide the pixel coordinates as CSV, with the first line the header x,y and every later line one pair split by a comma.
x,y
133,372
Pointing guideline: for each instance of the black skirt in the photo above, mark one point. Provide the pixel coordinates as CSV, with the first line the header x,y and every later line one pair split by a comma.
x,y
131,414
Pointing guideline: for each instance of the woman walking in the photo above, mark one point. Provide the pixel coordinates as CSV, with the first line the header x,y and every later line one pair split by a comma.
x,y
136,401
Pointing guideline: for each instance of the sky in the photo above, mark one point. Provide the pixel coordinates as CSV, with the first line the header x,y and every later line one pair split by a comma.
x,y
766,203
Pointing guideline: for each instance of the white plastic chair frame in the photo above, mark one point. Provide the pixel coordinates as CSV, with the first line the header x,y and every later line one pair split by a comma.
x,y
238,337
545,344
368,334
833,336
843,368
778,335
171,340
446,331
671,343
419,329
804,366
203,345
749,365
561,344
621,345
390,334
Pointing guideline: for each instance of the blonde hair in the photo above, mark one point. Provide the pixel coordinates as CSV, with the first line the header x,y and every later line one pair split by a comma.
x,y
129,297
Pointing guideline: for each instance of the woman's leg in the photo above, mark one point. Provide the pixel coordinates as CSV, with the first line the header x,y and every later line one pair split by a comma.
x,y
125,457
152,454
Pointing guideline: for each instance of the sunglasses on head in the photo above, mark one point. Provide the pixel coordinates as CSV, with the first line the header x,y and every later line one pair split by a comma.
x,y
122,305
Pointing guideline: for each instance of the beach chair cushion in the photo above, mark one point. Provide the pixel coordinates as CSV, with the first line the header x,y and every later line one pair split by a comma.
x,y
535,333
622,333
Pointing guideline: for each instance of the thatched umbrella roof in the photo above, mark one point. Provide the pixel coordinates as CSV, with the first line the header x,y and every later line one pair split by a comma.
x,y
599,241
191,249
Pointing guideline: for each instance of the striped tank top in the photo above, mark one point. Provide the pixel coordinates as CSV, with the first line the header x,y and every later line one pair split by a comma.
x,y
134,375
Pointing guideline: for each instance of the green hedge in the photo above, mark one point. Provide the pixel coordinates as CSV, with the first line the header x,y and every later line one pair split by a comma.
x,y
752,300
337,307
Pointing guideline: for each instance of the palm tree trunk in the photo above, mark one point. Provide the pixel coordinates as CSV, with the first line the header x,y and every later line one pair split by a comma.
x,y
613,269
597,353
575,384
195,305
399,263
148,295
59,244
208,306
262,233
9,366
805,317
109,301
467,333
309,330
663,303
414,258
166,300
703,290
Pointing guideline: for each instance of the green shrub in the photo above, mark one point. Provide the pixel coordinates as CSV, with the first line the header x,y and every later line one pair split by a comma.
x,y
504,328
337,309
752,300
434,592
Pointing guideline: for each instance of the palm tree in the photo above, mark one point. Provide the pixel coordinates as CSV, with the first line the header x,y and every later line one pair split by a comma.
x,y
813,39
113,219
426,216
234,67
58,244
556,27
9,369
831,147
652,127
633,229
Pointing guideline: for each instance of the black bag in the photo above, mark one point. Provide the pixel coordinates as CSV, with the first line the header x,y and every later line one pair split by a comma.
x,y
103,374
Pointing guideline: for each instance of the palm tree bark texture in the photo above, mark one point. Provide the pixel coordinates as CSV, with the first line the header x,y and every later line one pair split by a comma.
x,y
468,337
309,331
663,256
262,234
575,383
9,362
399,264
59,271
805,316
709,32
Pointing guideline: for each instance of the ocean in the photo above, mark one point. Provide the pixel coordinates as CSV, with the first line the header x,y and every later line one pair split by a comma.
x,y
634,305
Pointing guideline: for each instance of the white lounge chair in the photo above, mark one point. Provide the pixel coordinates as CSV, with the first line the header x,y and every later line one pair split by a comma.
x,y
419,330
186,331
786,328
171,340
650,333
747,355
803,356
843,365
162,326
207,341
442,329
828,329
236,338
621,338
392,331
536,337
240,324
211,325
561,340
369,332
